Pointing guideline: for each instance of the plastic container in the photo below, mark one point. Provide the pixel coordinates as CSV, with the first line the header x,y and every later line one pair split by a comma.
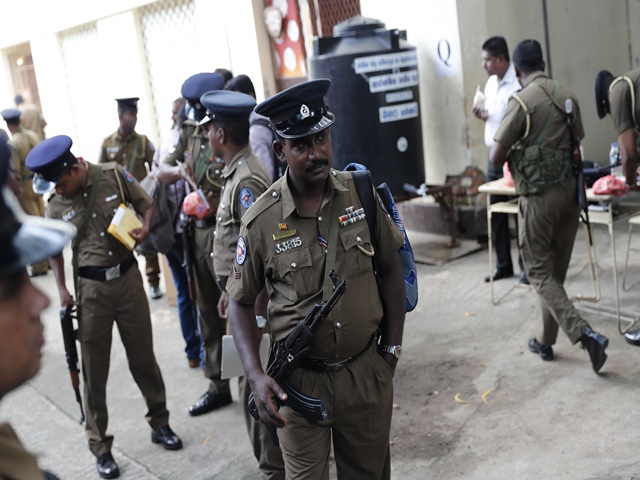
x,y
614,154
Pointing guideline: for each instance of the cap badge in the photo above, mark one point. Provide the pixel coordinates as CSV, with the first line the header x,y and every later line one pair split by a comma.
x,y
304,111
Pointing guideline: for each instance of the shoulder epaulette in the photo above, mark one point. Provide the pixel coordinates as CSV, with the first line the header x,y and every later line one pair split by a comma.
x,y
264,201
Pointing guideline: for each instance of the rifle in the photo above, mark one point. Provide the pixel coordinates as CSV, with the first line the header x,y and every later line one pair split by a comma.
x,y
189,259
289,352
69,336
578,166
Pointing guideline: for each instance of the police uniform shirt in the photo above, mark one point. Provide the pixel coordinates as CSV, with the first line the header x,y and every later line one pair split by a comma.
x,y
22,142
622,104
132,152
193,149
16,463
284,246
97,248
514,123
245,179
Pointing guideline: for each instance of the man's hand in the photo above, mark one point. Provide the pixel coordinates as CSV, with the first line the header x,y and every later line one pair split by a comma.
x,y
139,234
390,359
213,206
223,304
481,113
66,300
264,390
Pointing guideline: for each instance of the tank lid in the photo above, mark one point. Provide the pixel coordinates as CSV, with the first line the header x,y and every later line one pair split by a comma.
x,y
357,25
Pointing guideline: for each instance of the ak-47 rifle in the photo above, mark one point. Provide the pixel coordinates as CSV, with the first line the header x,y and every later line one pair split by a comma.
x,y
289,352
69,336
578,166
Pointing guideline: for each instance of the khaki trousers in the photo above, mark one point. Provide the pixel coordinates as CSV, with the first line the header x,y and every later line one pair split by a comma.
x,y
359,401
124,302
211,325
548,226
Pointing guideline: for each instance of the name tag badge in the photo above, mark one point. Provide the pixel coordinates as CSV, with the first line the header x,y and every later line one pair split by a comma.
x,y
111,198
288,245
285,234
68,214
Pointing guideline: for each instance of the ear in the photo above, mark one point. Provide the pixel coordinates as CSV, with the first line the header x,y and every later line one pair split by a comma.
x,y
221,135
278,148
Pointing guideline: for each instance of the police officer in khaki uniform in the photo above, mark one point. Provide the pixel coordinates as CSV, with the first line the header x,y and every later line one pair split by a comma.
x,y
22,141
286,240
244,179
619,97
108,286
534,135
135,152
21,303
205,171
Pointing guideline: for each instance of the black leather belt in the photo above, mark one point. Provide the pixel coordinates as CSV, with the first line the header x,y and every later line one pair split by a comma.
x,y
322,367
206,222
104,274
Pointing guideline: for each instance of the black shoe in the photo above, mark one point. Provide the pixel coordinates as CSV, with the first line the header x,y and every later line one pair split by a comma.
x,y
499,275
208,403
168,439
545,351
595,345
154,292
523,278
107,466
633,337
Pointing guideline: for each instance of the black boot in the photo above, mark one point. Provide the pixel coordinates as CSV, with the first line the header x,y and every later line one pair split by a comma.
x,y
595,344
107,466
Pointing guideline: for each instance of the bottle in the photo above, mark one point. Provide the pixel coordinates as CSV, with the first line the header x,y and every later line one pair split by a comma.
x,y
614,153
478,98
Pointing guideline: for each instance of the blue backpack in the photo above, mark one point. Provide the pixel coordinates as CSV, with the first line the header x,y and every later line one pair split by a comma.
x,y
364,187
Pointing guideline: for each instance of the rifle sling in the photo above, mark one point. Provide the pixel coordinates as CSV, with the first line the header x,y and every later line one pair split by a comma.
x,y
95,180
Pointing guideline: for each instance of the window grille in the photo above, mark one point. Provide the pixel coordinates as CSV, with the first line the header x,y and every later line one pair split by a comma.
x,y
171,49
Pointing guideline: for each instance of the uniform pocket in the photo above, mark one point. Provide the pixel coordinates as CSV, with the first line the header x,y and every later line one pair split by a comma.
x,y
294,268
358,249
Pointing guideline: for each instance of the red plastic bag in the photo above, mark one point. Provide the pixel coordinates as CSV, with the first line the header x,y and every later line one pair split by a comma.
x,y
194,205
610,185
507,178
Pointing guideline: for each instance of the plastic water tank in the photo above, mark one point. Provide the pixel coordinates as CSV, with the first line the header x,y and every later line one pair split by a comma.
x,y
375,97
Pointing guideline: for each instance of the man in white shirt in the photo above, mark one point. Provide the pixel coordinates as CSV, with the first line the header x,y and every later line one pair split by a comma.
x,y
501,84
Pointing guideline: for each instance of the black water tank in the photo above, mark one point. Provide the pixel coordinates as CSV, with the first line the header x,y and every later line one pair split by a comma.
x,y
376,99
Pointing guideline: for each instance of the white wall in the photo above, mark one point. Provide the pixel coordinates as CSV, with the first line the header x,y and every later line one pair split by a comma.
x,y
442,99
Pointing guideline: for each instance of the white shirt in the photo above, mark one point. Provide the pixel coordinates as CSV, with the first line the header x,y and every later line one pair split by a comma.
x,y
497,93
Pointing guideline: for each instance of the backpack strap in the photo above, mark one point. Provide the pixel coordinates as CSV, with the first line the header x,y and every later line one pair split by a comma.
x,y
632,90
526,112
332,249
75,245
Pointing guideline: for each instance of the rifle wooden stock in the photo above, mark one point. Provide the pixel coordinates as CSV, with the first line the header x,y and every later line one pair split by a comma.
x,y
71,353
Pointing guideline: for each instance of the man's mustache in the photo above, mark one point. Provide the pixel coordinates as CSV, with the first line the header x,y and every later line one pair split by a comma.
x,y
316,164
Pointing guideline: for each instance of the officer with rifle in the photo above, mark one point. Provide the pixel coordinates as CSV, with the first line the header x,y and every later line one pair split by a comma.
x,y
291,238
539,137
108,286
24,241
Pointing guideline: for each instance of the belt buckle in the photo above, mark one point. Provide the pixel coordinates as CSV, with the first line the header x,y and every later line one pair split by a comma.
x,y
112,273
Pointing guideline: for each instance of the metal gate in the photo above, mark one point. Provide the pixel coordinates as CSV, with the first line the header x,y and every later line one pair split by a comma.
x,y
171,49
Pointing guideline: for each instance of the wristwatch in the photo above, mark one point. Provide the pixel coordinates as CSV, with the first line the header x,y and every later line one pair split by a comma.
x,y
395,350
261,321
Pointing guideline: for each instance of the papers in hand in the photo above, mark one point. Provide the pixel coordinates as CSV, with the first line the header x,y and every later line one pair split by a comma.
x,y
122,223
231,363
